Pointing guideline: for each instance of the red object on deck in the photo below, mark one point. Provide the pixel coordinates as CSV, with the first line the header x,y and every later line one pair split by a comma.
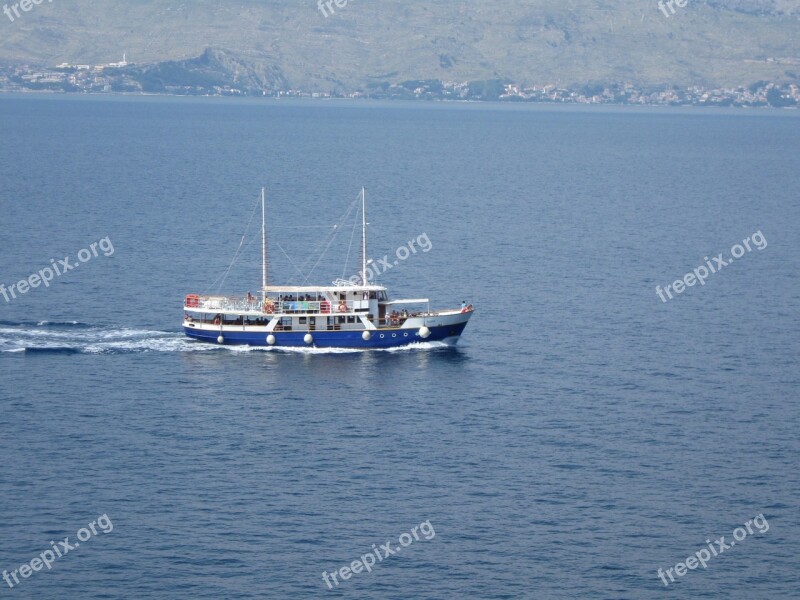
x,y
192,301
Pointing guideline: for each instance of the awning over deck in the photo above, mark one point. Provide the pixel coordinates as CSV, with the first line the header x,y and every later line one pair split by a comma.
x,y
307,289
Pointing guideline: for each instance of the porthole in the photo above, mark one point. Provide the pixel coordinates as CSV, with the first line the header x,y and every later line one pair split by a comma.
x,y
405,335
381,336
394,335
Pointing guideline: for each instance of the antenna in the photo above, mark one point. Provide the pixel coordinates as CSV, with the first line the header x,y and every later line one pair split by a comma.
x,y
263,244
363,236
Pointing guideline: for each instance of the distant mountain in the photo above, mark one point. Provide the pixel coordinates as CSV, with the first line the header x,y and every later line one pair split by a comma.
x,y
212,69
277,43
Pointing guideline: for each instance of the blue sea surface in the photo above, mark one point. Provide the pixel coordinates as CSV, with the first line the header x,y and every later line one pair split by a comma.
x,y
583,434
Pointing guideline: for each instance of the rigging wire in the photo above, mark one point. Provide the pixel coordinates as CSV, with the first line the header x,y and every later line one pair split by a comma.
x,y
221,279
319,246
352,235
336,230
289,258
322,247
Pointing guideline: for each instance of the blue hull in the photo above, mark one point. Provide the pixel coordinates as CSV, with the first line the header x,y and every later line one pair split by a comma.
x,y
331,339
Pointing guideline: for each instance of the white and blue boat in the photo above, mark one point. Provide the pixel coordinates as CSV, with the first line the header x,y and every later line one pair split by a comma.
x,y
351,313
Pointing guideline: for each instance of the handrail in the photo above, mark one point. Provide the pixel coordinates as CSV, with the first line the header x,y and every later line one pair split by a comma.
x,y
294,307
228,303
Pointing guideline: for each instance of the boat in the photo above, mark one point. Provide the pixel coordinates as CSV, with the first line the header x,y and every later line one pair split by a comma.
x,y
348,313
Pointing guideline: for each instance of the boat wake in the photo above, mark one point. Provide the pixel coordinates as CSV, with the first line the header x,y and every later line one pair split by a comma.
x,y
415,347
73,337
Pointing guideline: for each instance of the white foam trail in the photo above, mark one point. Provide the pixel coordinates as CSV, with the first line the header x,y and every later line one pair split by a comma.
x,y
417,346
153,345
90,340
101,340
413,347
307,350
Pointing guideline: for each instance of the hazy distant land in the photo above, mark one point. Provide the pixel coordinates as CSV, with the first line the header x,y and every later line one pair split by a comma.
x,y
712,51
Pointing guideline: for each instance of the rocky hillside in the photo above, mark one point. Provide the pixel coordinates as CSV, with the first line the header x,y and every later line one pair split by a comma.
x,y
564,42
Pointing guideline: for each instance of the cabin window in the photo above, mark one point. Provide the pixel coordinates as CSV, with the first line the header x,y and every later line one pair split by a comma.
x,y
351,319
342,319
302,320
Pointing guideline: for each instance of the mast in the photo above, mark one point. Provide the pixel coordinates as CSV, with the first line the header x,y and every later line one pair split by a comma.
x,y
363,236
263,245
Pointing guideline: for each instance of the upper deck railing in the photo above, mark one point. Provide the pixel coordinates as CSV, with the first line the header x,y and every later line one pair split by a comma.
x,y
254,305
232,304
